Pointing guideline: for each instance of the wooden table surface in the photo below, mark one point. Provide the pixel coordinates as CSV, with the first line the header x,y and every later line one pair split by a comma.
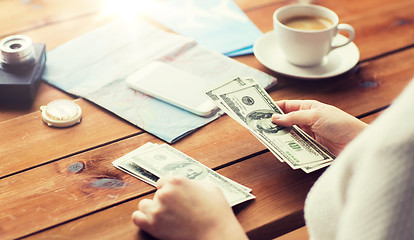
x,y
42,197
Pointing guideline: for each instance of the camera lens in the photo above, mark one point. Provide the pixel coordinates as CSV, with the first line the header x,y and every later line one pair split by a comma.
x,y
15,46
16,49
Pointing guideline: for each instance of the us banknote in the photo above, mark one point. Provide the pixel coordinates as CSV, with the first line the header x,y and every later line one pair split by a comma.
x,y
152,161
250,105
125,164
234,84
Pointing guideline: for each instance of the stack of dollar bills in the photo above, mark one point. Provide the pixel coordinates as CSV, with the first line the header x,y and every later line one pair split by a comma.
x,y
251,106
152,161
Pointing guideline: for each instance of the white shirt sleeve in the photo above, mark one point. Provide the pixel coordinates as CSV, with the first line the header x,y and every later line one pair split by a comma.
x,y
368,193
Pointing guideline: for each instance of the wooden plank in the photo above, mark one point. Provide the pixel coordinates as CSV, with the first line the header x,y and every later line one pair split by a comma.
x,y
52,35
280,193
45,94
248,5
298,234
66,189
62,33
365,79
384,28
387,28
302,232
66,30
331,91
373,86
18,16
370,118
27,141
370,86
54,31
54,185
207,147
28,15
383,20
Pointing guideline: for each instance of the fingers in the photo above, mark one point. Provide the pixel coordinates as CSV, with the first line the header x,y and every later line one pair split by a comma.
x,y
303,118
141,217
298,112
288,106
170,180
168,189
141,220
145,205
161,182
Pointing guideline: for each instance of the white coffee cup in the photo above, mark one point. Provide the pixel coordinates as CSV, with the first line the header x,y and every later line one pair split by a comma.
x,y
308,47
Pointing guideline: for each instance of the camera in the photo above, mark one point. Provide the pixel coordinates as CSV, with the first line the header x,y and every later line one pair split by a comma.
x,y
21,67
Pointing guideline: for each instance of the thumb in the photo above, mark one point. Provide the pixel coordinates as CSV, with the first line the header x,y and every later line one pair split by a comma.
x,y
302,118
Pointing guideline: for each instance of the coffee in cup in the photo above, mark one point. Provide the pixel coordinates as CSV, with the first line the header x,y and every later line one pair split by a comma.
x,y
308,23
305,33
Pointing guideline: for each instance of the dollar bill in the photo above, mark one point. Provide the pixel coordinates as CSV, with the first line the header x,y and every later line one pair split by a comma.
x,y
252,107
316,166
234,84
234,192
165,160
126,164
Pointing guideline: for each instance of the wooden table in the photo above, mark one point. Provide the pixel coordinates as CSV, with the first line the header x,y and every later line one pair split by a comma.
x,y
43,195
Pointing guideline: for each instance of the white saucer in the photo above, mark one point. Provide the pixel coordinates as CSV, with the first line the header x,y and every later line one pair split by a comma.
x,y
338,61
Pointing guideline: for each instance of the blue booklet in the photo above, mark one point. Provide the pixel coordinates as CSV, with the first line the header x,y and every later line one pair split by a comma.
x,y
220,25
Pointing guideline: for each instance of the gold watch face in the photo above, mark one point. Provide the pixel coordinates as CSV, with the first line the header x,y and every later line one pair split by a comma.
x,y
61,113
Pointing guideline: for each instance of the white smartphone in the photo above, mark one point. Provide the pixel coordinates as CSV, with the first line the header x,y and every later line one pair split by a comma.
x,y
173,86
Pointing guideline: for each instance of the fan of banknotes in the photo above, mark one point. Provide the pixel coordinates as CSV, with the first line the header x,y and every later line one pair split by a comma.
x,y
152,161
248,103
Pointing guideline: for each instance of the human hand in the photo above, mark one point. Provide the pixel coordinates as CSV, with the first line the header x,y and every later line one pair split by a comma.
x,y
327,124
187,209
